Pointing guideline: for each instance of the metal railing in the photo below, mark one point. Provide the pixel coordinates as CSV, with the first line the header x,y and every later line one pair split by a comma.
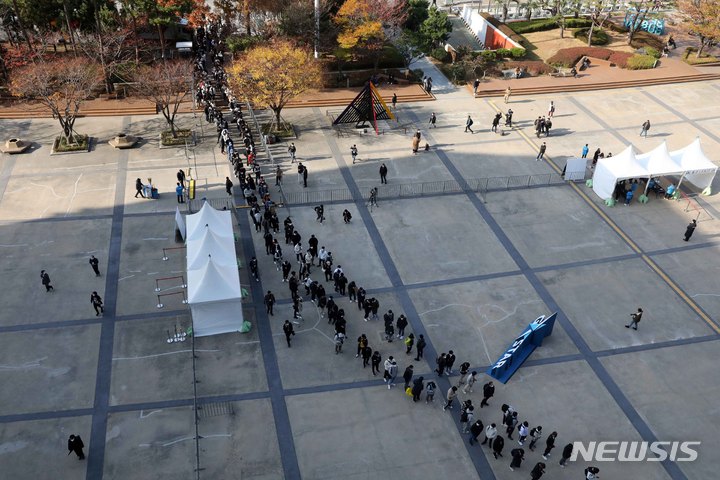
x,y
217,203
440,187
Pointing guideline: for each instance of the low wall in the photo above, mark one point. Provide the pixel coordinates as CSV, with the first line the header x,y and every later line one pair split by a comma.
x,y
485,32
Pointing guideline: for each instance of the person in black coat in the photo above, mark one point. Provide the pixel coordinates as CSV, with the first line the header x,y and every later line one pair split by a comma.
x,y
537,471
75,444
475,430
549,445
566,453
289,331
488,392
449,361
407,376
497,446
518,454
419,347
417,388
690,230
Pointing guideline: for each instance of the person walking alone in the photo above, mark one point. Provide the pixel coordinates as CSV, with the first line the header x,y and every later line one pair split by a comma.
x,y
468,124
269,302
292,150
45,278
75,444
354,153
541,152
585,151
508,92
179,192
289,332
95,264
97,303
433,119
635,319
645,128
690,230
383,173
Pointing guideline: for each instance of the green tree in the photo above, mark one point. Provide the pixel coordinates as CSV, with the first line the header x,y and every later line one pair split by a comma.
x,y
417,13
436,28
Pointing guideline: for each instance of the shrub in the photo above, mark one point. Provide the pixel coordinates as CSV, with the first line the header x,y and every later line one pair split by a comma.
x,y
439,54
240,43
599,36
517,52
543,24
644,39
488,55
503,53
458,72
418,74
620,58
533,67
567,57
641,62
653,52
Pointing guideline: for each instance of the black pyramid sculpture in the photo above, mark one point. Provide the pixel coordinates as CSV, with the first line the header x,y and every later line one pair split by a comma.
x,y
368,106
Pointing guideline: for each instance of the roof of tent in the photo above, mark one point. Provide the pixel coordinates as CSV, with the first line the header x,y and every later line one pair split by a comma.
x,y
211,245
658,162
624,165
218,221
212,283
692,159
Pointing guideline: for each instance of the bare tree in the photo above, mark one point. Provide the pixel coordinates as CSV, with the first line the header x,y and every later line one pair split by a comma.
x,y
108,48
61,85
642,7
598,16
167,84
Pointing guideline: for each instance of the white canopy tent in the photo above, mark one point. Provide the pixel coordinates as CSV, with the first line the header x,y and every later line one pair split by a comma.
x,y
214,292
689,163
611,170
699,170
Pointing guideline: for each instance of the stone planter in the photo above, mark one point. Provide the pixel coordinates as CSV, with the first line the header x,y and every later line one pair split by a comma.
x,y
122,140
14,145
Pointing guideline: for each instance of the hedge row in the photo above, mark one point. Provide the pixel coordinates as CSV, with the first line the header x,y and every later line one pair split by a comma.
x,y
541,25
641,62
567,57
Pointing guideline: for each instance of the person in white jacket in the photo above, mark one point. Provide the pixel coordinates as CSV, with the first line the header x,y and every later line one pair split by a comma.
x,y
490,434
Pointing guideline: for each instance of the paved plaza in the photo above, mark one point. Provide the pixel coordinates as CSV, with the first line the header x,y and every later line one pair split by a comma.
x,y
470,270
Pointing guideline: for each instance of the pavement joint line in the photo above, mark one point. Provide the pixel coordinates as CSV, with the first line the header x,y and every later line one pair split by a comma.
x,y
616,228
281,417
6,173
600,372
97,443
479,460
679,114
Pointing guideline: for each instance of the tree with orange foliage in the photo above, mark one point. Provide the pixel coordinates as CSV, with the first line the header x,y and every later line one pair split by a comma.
x,y
60,85
702,19
271,75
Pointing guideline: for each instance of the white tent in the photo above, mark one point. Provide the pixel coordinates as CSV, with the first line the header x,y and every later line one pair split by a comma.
x,y
219,222
658,162
611,170
214,292
698,169
215,299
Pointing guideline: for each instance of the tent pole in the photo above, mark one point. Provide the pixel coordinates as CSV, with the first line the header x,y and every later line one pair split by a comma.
x,y
681,179
647,185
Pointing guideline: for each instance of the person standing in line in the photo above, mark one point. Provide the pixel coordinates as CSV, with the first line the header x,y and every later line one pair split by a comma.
x,y
366,355
352,291
645,128
635,319
464,373
450,397
401,324
179,192
339,340
549,445
45,278
278,176
292,150
383,173
228,186
535,435
289,331
387,364
420,347
585,151
468,415
537,471
433,119
297,307
430,392
375,362
541,152
362,342
409,342
95,264
497,446
468,124
417,388
490,434
518,455
441,362
523,432
269,302
551,109
286,266
566,454
407,376
415,145
76,445
450,361
304,176
488,392
508,92
393,373
475,430
394,101
300,169
511,421
469,382
690,230
97,303
354,153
